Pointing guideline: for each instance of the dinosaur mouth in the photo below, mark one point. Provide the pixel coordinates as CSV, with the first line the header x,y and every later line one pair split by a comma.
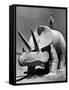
x,y
34,63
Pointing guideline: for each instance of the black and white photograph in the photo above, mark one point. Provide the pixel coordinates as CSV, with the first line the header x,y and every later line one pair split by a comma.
x,y
41,42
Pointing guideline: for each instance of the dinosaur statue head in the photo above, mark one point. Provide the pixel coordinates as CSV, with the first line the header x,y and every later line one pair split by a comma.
x,y
33,57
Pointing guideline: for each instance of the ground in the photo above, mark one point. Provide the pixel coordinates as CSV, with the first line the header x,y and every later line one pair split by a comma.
x,y
60,76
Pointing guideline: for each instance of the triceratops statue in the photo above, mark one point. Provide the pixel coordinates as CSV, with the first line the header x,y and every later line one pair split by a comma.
x,y
33,57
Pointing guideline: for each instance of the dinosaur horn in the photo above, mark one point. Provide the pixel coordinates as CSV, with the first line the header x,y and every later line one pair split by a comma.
x,y
35,42
24,40
23,50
